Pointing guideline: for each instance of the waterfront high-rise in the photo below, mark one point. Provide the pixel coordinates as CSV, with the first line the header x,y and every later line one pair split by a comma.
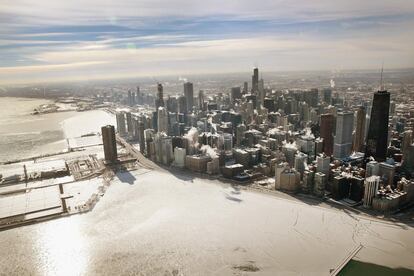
x,y
343,136
189,95
326,132
130,125
120,123
377,137
359,129
109,143
141,137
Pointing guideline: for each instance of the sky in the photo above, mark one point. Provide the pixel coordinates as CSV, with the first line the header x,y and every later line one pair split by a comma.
x,y
45,41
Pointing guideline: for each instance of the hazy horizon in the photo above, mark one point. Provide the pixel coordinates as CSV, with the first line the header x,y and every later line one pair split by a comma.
x,y
46,41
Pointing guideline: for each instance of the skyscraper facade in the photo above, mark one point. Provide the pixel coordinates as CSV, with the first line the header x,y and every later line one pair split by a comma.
x,y
182,104
377,137
189,95
120,123
343,136
359,129
159,101
326,130
371,189
235,94
162,120
109,143
255,80
201,104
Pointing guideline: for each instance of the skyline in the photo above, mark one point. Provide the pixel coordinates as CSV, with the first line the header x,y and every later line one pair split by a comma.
x,y
47,41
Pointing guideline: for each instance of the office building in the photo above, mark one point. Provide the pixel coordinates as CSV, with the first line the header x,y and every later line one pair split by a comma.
x,y
340,187
141,136
323,164
289,180
407,140
109,143
278,171
326,132
387,172
301,163
182,105
189,95
320,184
359,134
408,160
245,87
255,80
372,168
120,123
159,101
343,137
308,181
162,120
130,125
261,93
327,95
377,137
371,189
201,100
235,94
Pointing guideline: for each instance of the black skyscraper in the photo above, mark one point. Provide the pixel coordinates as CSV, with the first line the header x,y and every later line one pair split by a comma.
x,y
378,126
109,143
189,95
255,80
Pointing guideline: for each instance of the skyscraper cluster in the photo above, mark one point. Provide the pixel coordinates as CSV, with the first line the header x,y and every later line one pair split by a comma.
x,y
316,141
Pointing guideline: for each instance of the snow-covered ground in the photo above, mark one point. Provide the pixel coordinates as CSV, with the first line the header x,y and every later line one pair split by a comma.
x,y
157,223
86,122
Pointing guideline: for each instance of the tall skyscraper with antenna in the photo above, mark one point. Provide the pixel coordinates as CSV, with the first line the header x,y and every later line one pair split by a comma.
x,y
377,137
255,80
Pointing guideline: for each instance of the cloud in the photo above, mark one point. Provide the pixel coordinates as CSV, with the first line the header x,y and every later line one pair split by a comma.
x,y
53,40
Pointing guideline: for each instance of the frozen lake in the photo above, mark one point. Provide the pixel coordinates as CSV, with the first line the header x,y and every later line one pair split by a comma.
x,y
23,135
156,223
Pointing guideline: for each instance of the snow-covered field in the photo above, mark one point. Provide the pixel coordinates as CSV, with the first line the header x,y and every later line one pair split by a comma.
x,y
156,223
86,122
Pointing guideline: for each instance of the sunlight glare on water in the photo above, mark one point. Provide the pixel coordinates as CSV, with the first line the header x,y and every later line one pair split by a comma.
x,y
61,248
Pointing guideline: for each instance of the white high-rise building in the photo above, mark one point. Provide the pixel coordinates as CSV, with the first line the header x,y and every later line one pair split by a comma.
x,y
371,188
343,137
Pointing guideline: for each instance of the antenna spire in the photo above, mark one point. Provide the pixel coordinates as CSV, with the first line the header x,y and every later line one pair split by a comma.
x,y
381,83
